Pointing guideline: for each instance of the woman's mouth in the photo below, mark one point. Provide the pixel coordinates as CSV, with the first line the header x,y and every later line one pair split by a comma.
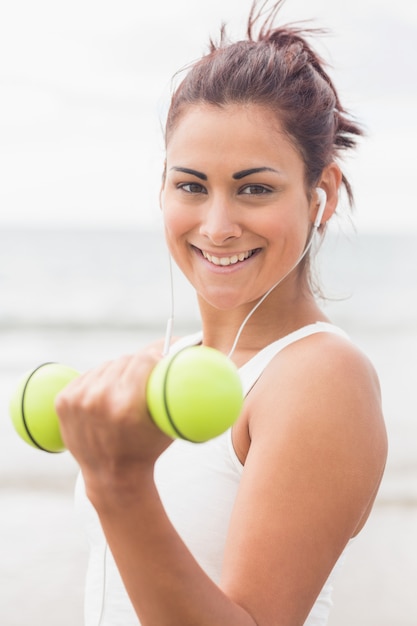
x,y
224,261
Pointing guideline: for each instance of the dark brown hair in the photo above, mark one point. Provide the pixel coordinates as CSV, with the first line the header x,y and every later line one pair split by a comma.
x,y
275,67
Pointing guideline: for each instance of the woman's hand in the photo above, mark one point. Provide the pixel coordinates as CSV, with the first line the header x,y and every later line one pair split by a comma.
x,y
106,425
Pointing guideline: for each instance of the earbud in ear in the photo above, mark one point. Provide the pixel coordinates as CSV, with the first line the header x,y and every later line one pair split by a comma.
x,y
322,205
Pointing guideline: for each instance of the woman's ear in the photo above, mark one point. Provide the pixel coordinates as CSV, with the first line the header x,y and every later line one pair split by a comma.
x,y
330,182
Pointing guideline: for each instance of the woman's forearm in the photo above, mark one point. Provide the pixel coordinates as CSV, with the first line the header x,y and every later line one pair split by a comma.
x,y
165,583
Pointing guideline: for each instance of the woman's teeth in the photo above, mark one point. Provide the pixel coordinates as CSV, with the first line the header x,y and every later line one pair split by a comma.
x,y
227,260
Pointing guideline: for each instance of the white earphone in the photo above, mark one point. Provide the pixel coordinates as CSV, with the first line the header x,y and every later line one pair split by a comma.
x,y
322,205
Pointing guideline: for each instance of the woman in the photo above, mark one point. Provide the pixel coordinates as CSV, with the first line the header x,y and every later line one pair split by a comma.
x,y
246,529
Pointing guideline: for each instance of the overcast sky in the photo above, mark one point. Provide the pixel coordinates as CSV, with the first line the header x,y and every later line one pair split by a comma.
x,y
83,86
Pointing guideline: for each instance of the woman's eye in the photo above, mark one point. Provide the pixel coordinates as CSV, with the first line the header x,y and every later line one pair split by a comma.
x,y
255,190
192,188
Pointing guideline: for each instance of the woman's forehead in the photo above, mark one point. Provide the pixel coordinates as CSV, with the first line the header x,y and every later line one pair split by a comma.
x,y
243,135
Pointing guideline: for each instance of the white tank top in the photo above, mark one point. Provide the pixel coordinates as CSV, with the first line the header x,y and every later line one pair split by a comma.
x,y
197,484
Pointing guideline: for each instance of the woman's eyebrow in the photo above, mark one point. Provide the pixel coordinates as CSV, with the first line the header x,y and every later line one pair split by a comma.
x,y
187,170
254,170
236,176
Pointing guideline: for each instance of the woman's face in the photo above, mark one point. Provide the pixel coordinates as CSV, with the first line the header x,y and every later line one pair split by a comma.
x,y
234,202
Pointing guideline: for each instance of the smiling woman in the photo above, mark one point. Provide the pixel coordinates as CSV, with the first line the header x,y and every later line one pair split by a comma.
x,y
248,528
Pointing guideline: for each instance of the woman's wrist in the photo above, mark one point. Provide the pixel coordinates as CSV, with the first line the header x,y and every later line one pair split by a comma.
x,y
111,489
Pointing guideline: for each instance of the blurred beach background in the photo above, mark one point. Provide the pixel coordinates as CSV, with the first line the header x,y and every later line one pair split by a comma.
x,y
84,272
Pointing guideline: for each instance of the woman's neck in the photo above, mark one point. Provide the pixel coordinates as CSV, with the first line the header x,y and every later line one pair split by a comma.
x,y
271,321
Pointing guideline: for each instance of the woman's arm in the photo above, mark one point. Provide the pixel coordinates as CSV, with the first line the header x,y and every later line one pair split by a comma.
x,y
164,582
315,459
105,424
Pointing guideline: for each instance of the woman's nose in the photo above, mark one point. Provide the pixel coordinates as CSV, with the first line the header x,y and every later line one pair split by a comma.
x,y
220,222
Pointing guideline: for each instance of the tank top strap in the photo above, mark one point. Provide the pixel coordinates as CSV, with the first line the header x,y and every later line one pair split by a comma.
x,y
252,370
186,342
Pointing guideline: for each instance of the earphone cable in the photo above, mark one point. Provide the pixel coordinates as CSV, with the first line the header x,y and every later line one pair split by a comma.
x,y
258,304
170,321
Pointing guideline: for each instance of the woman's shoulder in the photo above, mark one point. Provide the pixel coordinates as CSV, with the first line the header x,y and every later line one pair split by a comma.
x,y
333,361
322,389
321,356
